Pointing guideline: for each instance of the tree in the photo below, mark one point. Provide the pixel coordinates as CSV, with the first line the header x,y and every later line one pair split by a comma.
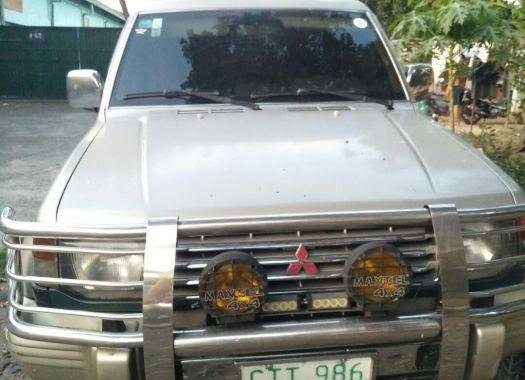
x,y
387,11
516,54
449,26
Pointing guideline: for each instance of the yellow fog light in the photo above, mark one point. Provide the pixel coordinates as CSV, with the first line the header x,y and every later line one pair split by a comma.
x,y
232,283
376,274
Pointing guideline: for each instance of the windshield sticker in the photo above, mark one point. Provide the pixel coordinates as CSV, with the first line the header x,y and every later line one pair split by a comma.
x,y
141,31
156,27
360,23
145,23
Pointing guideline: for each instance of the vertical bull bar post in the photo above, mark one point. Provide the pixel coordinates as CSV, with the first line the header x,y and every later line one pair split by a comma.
x,y
454,291
159,266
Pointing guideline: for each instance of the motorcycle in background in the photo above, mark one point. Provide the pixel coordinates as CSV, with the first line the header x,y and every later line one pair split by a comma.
x,y
437,106
420,77
473,110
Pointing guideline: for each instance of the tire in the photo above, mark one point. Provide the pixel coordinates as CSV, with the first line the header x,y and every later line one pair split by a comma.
x,y
466,115
512,368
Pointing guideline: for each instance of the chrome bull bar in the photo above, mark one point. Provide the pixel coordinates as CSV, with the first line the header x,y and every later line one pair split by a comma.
x,y
157,299
161,340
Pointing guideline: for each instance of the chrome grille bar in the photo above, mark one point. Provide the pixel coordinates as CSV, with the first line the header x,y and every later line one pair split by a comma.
x,y
206,243
67,249
71,336
268,224
10,274
492,213
495,231
80,313
285,258
304,222
495,291
277,277
494,268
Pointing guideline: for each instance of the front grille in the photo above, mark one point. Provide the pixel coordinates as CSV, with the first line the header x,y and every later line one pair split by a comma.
x,y
328,249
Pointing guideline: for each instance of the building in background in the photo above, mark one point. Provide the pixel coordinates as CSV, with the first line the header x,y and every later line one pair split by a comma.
x,y
76,13
41,40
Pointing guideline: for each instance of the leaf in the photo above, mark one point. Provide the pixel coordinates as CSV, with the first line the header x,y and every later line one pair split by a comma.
x,y
454,13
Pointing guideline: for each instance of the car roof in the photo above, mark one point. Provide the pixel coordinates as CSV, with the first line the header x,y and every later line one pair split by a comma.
x,y
192,5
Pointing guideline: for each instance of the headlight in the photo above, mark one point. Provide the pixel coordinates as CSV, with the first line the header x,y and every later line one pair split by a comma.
x,y
112,268
106,268
486,247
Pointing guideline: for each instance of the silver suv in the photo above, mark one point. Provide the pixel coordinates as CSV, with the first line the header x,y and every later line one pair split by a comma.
x,y
259,199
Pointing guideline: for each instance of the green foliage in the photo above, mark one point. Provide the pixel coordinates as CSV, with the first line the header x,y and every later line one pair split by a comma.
x,y
434,28
454,15
387,11
501,152
439,26
516,55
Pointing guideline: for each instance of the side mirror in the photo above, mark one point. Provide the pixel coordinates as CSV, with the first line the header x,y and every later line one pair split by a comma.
x,y
84,89
420,77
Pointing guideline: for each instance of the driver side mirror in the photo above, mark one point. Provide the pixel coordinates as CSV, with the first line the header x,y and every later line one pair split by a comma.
x,y
420,77
84,89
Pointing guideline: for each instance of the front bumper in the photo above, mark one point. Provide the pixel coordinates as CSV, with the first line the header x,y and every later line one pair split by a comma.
x,y
62,343
400,347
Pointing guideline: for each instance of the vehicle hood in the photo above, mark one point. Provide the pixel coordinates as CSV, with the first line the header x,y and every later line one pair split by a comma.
x,y
219,162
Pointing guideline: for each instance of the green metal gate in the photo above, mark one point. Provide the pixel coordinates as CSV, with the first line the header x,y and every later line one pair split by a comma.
x,y
34,61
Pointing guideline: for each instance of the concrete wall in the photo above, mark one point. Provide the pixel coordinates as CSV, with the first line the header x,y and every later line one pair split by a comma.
x,y
64,12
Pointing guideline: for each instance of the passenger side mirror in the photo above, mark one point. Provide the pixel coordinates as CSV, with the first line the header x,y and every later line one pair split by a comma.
x,y
420,77
84,89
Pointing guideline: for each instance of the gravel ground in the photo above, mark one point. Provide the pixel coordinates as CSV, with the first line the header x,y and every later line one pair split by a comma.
x,y
36,137
9,370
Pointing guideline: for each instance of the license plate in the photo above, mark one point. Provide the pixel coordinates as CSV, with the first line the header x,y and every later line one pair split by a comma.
x,y
334,369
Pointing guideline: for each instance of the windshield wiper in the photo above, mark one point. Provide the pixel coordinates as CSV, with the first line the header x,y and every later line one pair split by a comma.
x,y
389,104
170,94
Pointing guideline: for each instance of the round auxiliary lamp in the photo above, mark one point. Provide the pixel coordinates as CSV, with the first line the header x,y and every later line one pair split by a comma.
x,y
233,286
376,276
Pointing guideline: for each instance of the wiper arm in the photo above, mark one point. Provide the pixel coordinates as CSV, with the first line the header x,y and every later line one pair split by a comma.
x,y
170,94
389,104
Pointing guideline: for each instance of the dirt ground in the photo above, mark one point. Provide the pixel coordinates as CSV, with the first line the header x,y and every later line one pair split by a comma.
x,y
513,131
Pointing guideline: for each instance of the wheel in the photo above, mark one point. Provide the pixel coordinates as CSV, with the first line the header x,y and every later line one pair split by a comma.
x,y
468,118
512,368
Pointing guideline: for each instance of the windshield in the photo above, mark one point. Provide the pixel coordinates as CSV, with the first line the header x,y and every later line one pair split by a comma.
x,y
247,54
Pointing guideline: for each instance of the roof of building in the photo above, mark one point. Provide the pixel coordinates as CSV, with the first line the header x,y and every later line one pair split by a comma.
x,y
107,9
189,5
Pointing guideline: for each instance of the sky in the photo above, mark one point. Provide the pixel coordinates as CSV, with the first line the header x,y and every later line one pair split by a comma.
x,y
111,3
116,4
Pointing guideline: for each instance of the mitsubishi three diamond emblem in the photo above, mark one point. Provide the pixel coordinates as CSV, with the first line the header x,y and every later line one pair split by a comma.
x,y
295,268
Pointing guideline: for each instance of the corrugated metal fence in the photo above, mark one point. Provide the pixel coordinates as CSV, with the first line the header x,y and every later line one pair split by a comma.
x,y
34,61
